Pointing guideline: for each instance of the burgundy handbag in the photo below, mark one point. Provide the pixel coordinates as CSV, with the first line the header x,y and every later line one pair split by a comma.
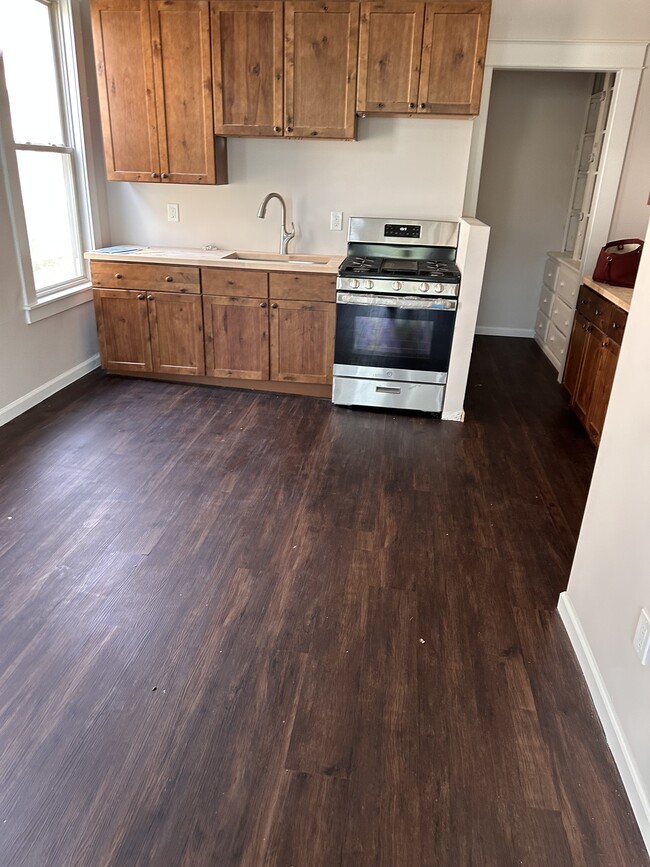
x,y
617,264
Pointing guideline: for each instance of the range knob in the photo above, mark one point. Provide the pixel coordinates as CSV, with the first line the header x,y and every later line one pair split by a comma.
x,y
397,285
424,287
368,284
439,288
354,284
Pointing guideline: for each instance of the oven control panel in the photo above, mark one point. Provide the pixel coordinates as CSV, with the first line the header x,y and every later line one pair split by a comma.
x,y
400,230
397,287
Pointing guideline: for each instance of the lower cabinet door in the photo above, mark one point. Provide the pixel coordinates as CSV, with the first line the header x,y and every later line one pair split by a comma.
x,y
586,381
123,330
176,323
236,337
575,355
607,361
302,341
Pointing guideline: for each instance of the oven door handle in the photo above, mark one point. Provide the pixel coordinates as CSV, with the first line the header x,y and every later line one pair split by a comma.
x,y
400,303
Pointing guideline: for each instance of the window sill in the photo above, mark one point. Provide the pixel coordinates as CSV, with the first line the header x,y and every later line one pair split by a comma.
x,y
59,302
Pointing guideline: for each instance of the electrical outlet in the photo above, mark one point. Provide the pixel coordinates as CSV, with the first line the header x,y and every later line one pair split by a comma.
x,y
642,637
336,221
173,214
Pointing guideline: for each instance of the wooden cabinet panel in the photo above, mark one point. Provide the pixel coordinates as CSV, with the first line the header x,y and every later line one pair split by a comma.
x,y
230,281
453,57
594,308
575,354
247,59
123,331
390,46
321,42
302,341
586,381
617,323
176,325
302,287
183,78
124,60
602,388
142,276
236,337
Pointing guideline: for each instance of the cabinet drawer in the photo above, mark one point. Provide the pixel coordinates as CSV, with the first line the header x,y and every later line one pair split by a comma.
x,y
235,283
135,275
594,308
562,316
302,287
541,326
546,300
550,272
557,342
617,322
567,285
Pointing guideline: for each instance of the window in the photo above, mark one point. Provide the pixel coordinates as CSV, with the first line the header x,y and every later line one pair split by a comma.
x,y
42,138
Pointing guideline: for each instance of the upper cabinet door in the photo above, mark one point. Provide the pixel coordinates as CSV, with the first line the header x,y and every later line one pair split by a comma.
x,y
122,40
183,75
247,59
321,40
453,57
390,45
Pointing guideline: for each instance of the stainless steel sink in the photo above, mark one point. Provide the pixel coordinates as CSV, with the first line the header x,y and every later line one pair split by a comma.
x,y
278,258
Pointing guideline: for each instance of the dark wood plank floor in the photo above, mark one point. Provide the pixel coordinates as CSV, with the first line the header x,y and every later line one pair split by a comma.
x,y
254,630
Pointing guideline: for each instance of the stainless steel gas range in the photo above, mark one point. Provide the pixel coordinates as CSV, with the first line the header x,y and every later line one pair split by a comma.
x,y
396,300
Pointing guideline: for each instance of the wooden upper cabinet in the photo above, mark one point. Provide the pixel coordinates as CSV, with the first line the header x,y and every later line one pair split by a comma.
x,y
453,57
321,40
247,60
390,45
183,77
124,60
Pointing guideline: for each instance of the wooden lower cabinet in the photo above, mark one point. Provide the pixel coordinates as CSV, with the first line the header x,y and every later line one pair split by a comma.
x,y
155,332
236,337
592,359
302,341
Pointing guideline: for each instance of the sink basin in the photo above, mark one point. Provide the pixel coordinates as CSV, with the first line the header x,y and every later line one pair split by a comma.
x,y
278,258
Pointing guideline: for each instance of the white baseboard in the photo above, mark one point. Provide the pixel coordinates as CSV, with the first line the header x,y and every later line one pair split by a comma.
x,y
616,739
454,416
27,401
494,331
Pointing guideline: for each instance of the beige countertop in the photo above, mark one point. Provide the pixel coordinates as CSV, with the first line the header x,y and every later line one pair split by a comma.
x,y
618,295
313,264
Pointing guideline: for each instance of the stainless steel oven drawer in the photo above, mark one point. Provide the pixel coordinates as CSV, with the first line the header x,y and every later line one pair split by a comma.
x,y
422,396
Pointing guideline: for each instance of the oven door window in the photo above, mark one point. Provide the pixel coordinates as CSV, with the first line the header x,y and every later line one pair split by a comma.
x,y
393,337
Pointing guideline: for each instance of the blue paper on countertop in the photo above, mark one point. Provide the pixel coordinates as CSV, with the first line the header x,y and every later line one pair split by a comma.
x,y
118,248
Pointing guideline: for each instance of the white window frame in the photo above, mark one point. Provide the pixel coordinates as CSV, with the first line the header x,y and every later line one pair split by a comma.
x,y
66,28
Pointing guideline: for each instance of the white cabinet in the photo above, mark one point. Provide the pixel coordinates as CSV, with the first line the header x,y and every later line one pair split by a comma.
x,y
557,301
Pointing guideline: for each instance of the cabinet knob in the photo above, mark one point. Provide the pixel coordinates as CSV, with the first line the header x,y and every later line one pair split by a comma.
x,y
614,325
169,279
411,105
274,306
155,175
149,297
380,105
262,303
423,105
277,129
597,312
140,297
118,276
289,129
164,175
604,343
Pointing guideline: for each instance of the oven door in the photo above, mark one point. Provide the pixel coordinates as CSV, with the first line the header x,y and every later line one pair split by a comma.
x,y
396,337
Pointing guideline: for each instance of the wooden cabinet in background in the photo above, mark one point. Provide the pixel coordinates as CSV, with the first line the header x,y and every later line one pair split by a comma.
x,y
155,90
424,58
592,359
248,64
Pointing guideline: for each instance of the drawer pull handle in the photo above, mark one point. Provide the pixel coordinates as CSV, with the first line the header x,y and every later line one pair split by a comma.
x,y
169,279
274,306
140,297
263,304
388,389
149,297
118,276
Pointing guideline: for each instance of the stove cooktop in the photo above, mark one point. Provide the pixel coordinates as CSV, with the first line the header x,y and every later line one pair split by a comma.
x,y
404,269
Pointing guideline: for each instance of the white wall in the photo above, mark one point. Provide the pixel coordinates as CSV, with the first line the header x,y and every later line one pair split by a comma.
x,y
534,126
590,20
398,168
610,578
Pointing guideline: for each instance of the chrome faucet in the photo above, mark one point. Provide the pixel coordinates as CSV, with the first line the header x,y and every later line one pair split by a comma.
x,y
285,236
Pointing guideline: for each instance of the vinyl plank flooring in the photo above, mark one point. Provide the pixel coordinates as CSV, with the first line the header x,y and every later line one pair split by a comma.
x,y
253,630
